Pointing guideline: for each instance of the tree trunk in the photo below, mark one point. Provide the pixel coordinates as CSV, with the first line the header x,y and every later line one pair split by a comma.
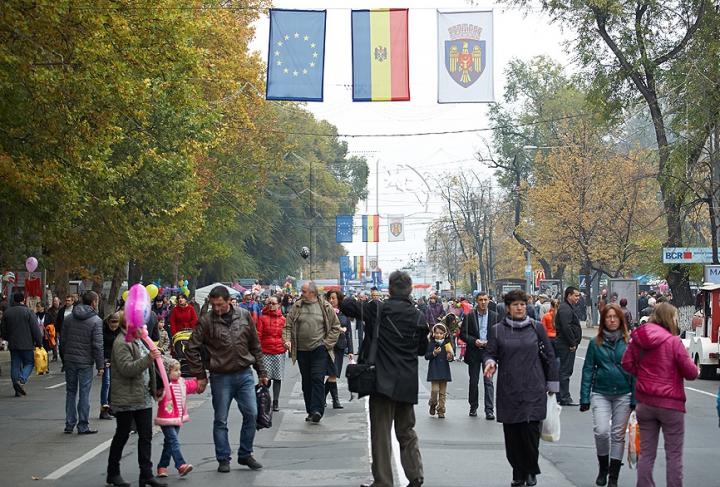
x,y
62,278
135,273
115,286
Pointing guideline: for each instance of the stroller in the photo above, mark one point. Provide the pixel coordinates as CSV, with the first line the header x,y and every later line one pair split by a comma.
x,y
177,351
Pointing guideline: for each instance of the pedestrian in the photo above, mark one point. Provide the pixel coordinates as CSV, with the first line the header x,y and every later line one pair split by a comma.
x,y
47,328
439,355
269,330
159,308
133,390
172,412
111,330
310,333
182,316
401,338
522,385
164,343
63,313
344,345
231,347
251,306
569,336
608,389
475,332
19,328
548,321
657,358
627,313
80,349
434,311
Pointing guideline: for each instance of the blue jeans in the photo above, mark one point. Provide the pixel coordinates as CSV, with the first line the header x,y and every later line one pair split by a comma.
x,y
77,376
225,388
21,365
105,388
171,447
312,365
610,420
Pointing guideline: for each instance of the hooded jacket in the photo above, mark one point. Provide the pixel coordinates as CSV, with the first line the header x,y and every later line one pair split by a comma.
x,y
660,362
127,386
168,413
82,338
269,330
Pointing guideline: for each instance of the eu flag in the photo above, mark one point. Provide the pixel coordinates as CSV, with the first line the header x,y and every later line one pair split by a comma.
x,y
296,56
343,228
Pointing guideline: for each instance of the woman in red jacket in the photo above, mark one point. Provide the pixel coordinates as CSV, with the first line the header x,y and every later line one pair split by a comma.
x,y
269,330
182,316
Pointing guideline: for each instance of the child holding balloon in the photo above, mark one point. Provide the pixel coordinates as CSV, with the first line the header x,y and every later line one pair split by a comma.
x,y
171,414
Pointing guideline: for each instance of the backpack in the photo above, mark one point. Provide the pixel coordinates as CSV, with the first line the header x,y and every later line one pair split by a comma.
x,y
264,408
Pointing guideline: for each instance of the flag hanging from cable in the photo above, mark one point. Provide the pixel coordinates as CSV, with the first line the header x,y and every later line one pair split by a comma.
x,y
465,57
380,55
343,228
371,228
396,228
296,55
359,266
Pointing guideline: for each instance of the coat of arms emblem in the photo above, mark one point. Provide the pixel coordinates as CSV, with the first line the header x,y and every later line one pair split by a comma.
x,y
465,54
380,53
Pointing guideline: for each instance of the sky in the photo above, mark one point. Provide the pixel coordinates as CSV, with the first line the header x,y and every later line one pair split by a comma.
x,y
406,167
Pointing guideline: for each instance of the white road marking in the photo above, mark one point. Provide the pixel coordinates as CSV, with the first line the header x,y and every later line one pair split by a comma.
x,y
76,463
56,386
701,392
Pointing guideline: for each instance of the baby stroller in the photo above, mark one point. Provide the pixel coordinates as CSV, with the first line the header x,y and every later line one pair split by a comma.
x,y
179,341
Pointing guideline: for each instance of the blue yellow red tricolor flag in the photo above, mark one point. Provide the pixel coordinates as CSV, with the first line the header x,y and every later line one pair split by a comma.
x,y
359,266
380,55
371,228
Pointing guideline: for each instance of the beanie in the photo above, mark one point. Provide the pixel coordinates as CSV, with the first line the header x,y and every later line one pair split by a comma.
x,y
169,363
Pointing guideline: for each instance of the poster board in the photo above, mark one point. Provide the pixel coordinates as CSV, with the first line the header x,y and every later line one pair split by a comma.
x,y
628,289
551,287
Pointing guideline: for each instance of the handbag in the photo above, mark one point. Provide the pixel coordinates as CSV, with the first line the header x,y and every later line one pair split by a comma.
x,y
362,377
544,361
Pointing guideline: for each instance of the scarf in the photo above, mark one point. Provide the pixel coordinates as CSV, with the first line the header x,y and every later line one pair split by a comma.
x,y
611,336
517,324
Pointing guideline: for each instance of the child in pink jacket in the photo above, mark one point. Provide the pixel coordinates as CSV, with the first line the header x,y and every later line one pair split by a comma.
x,y
171,414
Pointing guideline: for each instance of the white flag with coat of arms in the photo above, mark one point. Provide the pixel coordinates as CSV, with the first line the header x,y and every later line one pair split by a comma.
x,y
396,228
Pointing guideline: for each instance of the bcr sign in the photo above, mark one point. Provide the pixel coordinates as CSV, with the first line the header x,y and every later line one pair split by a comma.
x,y
687,255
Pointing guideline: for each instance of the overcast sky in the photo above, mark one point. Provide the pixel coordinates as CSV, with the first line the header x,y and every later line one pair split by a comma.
x,y
411,166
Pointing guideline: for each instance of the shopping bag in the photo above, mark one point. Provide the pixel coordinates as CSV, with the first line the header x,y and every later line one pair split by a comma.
x,y
41,361
551,424
633,440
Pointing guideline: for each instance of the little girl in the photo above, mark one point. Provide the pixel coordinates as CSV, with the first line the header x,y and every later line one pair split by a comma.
x,y
439,353
172,413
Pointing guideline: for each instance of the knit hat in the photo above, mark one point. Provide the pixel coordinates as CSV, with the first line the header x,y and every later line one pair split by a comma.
x,y
169,363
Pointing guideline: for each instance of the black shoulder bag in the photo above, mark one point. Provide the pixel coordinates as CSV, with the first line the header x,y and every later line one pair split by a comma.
x,y
541,352
362,377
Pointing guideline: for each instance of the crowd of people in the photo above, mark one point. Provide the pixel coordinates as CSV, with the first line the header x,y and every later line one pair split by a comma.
x,y
530,342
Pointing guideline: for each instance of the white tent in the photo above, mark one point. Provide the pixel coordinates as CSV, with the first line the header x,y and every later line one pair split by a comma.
x,y
202,293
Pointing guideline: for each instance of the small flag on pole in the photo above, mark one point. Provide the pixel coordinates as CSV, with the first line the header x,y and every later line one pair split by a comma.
x,y
396,228
371,228
296,55
343,228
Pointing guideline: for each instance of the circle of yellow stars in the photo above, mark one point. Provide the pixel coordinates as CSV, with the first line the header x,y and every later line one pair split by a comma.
x,y
311,64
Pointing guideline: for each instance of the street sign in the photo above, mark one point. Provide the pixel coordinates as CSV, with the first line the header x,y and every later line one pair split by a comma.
x,y
687,255
528,270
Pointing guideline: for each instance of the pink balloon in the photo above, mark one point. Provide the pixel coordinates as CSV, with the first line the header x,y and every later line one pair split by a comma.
x,y
137,312
31,264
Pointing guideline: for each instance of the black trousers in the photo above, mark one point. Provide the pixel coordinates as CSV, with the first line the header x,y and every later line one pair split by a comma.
x,y
312,365
475,369
567,364
522,444
144,423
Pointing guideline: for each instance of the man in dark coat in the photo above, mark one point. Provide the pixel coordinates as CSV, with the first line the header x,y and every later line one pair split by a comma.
x,y
569,336
475,331
401,339
20,328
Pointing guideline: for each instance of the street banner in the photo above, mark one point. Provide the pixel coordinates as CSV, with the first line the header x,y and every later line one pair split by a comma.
x,y
380,55
396,228
371,228
343,228
296,55
465,57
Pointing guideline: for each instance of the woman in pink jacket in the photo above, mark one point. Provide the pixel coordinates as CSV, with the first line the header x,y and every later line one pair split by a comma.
x,y
172,413
658,359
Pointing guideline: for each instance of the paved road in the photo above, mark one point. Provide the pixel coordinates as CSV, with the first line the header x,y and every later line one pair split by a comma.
x,y
458,450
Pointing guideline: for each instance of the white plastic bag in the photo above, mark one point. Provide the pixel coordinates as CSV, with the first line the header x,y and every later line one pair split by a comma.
x,y
551,425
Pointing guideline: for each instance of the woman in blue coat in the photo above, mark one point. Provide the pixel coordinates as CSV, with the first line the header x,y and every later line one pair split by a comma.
x,y
439,355
609,390
522,385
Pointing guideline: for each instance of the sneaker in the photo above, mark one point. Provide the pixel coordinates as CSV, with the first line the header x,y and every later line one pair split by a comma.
x,y
224,466
20,387
184,469
162,472
249,462
68,431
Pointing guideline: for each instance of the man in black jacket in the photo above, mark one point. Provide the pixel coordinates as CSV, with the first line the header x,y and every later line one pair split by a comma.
x,y
569,336
475,331
80,349
20,328
402,337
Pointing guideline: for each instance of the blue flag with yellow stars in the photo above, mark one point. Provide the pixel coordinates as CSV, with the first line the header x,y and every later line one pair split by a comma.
x,y
343,228
296,56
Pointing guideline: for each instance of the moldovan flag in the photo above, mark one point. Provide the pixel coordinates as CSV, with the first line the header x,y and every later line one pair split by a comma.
x,y
380,55
296,55
465,57
371,228
359,266
396,228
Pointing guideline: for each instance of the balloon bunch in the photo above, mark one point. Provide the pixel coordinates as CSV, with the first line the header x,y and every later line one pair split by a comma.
x,y
137,314
183,286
